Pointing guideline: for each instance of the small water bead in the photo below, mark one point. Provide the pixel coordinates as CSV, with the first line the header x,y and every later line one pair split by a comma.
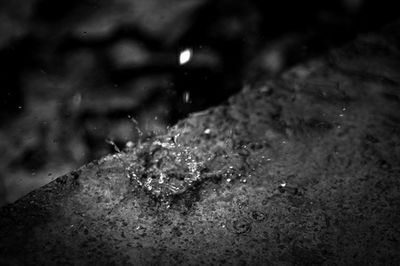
x,y
129,144
112,143
136,124
186,97
141,230
282,187
265,89
185,56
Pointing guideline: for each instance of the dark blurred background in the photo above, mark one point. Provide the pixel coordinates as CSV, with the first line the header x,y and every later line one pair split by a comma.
x,y
76,75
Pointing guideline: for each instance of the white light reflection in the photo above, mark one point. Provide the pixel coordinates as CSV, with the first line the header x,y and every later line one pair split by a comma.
x,y
185,56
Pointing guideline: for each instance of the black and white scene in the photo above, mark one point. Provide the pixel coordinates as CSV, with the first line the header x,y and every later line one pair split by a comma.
x,y
199,132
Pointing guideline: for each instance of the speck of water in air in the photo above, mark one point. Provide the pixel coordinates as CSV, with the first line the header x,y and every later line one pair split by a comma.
x,y
129,144
112,143
136,125
186,97
185,56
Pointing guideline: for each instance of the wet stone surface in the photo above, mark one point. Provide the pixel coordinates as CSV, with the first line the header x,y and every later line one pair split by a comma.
x,y
165,168
300,170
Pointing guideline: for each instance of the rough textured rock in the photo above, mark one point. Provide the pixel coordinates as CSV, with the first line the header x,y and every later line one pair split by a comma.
x,y
300,170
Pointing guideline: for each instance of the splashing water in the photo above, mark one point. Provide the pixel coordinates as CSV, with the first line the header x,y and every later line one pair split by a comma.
x,y
112,143
136,124
166,168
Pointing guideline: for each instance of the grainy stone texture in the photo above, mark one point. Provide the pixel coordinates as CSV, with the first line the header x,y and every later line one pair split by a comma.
x,y
301,170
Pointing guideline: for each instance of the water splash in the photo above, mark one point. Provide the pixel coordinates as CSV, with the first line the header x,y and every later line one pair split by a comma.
x,y
136,125
166,168
112,143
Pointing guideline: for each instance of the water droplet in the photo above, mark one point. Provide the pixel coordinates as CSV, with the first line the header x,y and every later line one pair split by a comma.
x,y
136,123
185,56
129,144
112,143
186,96
265,88
141,230
282,187
76,100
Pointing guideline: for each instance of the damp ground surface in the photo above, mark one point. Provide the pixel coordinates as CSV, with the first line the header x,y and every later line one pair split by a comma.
x,y
299,170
